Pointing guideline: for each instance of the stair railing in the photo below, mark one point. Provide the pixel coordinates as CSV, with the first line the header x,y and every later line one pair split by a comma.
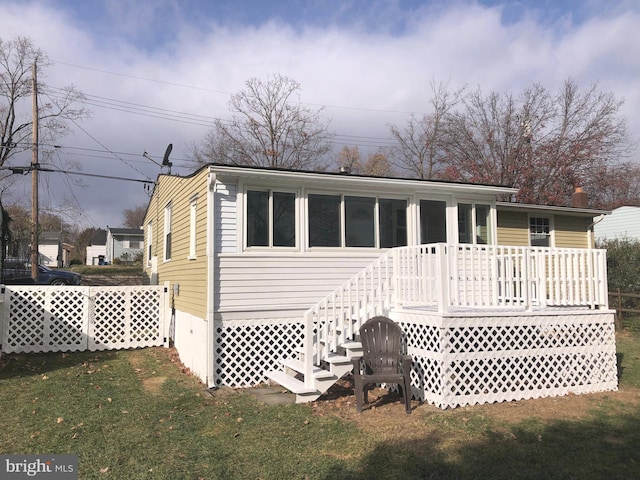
x,y
338,317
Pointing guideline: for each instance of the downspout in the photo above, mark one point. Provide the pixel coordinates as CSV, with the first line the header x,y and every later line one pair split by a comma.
x,y
210,240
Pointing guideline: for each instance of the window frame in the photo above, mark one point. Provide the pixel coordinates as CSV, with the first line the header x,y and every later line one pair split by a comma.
x,y
193,219
149,242
491,221
270,218
168,220
342,211
419,215
549,234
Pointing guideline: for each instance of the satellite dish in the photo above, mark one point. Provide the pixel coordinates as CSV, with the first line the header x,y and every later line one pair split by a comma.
x,y
165,160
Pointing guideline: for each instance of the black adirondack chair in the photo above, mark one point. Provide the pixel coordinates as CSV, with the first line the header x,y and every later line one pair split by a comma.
x,y
381,360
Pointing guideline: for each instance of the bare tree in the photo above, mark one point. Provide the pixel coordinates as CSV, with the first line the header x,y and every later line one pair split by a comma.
x,y
543,143
418,147
349,160
16,60
378,165
134,217
269,128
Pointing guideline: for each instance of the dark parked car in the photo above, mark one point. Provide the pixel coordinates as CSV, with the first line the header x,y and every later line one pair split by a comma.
x,y
18,272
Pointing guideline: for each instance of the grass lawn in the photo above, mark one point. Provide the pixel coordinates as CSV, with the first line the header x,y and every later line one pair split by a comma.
x,y
137,415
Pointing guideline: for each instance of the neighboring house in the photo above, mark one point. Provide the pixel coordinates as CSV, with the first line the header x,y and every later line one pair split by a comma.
x,y
623,223
97,248
277,268
123,244
50,249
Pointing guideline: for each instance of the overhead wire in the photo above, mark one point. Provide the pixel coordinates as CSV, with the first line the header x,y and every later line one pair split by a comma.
x,y
207,121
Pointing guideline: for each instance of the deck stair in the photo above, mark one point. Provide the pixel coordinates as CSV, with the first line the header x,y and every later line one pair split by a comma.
x,y
332,367
331,327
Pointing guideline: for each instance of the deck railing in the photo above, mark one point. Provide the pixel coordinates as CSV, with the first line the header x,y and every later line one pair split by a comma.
x,y
447,277
450,276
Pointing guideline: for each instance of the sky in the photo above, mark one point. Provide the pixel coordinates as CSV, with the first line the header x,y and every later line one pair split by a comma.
x,y
160,72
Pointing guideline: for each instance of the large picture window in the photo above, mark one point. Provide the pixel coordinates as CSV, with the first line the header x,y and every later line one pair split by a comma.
x,y
324,221
271,219
366,221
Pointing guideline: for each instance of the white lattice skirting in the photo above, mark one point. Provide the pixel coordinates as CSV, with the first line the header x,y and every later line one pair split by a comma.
x,y
64,318
457,360
246,350
468,360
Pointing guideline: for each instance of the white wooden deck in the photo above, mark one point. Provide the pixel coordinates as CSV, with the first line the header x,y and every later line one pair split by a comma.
x,y
483,323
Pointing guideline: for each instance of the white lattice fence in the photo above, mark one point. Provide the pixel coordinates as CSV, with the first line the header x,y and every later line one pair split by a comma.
x,y
245,350
50,319
468,361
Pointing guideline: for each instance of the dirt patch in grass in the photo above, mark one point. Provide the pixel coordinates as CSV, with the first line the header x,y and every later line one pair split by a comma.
x,y
151,382
385,412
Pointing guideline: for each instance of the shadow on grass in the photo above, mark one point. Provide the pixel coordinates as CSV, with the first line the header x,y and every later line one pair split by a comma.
x,y
601,448
16,365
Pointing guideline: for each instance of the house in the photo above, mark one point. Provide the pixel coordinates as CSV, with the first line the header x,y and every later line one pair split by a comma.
x,y
97,248
273,271
123,244
623,223
50,249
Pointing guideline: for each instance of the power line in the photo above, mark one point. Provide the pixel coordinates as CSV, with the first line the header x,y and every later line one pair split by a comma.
x,y
222,92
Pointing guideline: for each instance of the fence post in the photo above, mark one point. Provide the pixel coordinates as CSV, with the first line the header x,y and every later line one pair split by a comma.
x,y
619,324
442,256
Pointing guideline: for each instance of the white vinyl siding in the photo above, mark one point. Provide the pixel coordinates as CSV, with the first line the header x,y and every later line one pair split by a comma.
x,y
296,281
226,212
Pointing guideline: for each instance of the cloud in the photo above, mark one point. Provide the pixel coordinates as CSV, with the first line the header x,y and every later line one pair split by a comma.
x,y
368,64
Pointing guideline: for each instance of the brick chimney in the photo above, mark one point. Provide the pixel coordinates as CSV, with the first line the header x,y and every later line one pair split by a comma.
x,y
579,198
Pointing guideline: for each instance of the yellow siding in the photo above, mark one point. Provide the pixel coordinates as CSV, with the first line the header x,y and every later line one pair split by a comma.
x,y
513,228
190,274
568,231
571,232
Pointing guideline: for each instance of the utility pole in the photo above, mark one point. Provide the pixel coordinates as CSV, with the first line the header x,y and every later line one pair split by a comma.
x,y
34,177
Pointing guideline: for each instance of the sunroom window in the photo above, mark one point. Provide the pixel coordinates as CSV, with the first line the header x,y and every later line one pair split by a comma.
x,y
365,221
474,224
271,219
433,221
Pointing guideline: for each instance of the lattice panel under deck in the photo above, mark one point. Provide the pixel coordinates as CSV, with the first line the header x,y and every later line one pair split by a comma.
x,y
475,359
244,351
